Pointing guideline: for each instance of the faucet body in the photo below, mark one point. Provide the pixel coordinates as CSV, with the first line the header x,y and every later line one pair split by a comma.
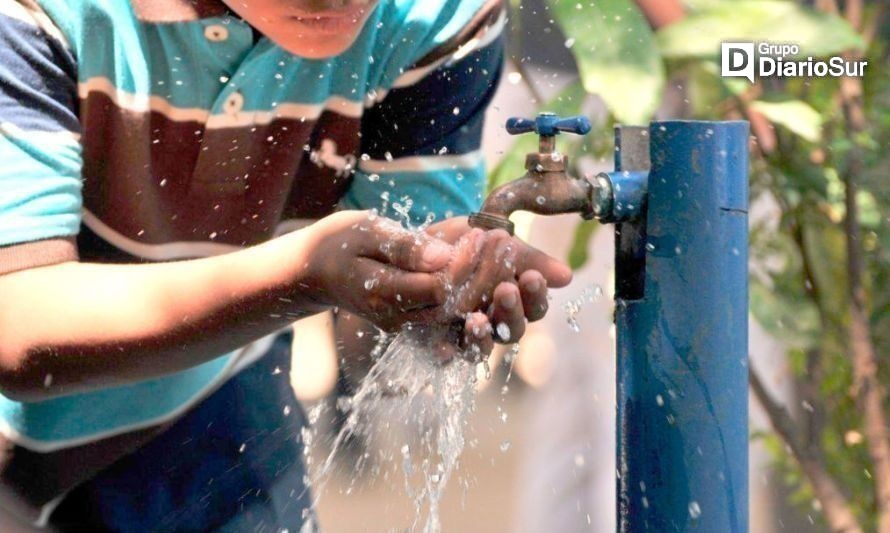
x,y
545,189
548,189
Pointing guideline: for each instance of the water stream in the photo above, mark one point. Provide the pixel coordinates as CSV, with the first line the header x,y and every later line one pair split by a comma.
x,y
408,385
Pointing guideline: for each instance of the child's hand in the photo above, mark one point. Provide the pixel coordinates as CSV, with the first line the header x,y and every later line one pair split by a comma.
x,y
498,282
371,266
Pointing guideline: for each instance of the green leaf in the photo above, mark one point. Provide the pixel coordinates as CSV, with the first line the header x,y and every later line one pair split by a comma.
x,y
617,56
795,115
699,35
578,255
734,86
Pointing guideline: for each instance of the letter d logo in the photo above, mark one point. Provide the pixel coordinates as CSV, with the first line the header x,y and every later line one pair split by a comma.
x,y
737,60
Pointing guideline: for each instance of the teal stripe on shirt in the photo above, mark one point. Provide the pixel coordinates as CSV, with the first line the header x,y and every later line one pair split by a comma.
x,y
80,415
39,187
428,192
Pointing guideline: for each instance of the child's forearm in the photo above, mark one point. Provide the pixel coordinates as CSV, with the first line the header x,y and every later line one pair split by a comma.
x,y
74,327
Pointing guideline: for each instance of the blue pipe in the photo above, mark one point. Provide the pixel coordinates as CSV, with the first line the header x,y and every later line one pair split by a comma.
x,y
682,395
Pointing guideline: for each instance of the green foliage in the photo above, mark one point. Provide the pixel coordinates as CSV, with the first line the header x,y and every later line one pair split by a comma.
x,y
699,35
797,116
578,255
616,54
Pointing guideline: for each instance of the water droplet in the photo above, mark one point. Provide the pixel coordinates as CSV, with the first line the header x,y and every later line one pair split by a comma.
x,y
570,42
47,381
514,78
650,246
373,177
694,510
286,410
540,200
659,400
505,446
503,331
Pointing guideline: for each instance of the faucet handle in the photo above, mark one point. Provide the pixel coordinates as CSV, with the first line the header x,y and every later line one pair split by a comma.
x,y
548,124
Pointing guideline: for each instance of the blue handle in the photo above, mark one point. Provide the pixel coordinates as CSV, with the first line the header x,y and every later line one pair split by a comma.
x,y
548,124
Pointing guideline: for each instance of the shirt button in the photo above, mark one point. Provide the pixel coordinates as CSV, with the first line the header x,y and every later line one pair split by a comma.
x,y
216,33
234,103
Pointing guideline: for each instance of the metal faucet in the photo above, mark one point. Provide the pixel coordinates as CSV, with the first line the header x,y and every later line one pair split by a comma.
x,y
546,188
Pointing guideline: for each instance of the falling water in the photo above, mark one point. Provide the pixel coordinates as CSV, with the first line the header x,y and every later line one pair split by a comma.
x,y
408,383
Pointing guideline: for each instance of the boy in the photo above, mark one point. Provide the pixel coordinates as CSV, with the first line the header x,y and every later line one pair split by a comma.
x,y
182,179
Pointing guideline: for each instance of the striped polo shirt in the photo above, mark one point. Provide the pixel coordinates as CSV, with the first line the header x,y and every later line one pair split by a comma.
x,y
157,130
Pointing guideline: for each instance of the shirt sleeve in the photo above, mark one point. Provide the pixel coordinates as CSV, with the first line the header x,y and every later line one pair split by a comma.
x,y
40,178
421,159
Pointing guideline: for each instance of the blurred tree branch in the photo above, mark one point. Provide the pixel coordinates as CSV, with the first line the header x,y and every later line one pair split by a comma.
x,y
834,503
866,385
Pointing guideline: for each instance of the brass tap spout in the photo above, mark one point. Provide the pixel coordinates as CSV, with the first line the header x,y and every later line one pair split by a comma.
x,y
546,188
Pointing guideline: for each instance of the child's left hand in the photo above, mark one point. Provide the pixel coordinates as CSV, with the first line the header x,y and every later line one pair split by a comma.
x,y
498,282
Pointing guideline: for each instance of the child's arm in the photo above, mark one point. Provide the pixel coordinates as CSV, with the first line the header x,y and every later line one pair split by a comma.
x,y
73,327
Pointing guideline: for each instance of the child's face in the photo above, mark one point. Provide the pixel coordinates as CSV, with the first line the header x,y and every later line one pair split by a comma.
x,y
313,29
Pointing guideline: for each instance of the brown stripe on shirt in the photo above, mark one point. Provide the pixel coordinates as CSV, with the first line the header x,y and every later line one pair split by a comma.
x,y
37,253
156,180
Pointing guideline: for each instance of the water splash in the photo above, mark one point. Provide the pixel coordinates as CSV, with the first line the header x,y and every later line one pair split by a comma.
x,y
589,295
407,383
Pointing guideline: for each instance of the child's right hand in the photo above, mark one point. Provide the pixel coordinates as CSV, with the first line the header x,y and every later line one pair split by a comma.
x,y
371,266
